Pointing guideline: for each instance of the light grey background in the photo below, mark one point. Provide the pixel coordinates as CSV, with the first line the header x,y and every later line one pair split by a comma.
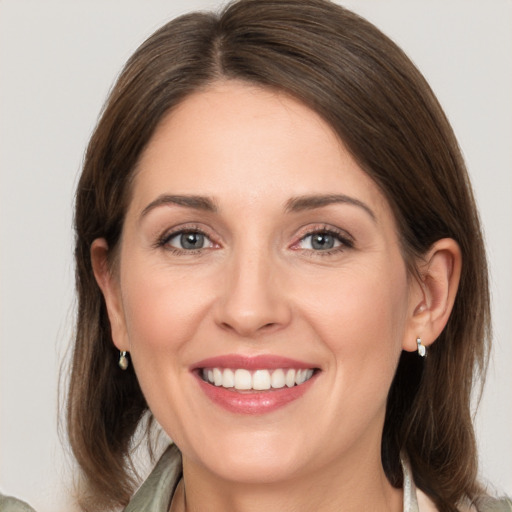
x,y
57,62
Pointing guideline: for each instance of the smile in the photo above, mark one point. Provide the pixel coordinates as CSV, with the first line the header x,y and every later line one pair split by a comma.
x,y
242,379
254,385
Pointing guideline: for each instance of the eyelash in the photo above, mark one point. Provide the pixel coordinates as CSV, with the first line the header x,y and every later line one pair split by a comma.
x,y
163,241
344,239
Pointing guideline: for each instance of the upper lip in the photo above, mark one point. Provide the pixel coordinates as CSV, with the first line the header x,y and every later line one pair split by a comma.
x,y
259,362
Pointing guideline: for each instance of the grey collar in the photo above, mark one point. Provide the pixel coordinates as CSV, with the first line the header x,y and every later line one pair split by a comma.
x,y
410,497
156,492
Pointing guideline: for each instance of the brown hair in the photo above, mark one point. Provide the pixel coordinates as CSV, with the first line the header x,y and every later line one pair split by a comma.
x,y
379,104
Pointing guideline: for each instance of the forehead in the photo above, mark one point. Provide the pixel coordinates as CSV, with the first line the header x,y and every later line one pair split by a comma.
x,y
238,140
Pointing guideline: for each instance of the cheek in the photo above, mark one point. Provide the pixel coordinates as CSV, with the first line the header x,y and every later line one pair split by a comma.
x,y
361,317
361,322
162,310
356,303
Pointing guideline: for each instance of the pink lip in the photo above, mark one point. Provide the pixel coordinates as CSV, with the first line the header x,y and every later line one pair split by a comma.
x,y
252,402
268,362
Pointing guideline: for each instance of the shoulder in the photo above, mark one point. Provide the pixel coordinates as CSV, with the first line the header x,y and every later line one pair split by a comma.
x,y
8,504
155,494
483,503
488,504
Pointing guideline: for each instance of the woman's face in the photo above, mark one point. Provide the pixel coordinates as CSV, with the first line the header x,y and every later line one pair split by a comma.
x,y
260,289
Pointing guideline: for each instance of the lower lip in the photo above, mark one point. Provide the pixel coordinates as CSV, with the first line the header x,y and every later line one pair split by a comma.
x,y
254,403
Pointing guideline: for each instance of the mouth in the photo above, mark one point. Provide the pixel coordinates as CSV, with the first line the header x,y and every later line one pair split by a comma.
x,y
254,385
242,379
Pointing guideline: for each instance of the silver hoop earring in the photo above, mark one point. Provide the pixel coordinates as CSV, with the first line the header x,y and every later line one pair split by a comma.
x,y
123,360
422,350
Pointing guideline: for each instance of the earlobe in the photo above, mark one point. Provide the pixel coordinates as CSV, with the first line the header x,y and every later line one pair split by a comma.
x,y
109,285
433,293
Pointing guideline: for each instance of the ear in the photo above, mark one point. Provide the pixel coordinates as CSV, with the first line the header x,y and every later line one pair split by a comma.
x,y
433,292
109,285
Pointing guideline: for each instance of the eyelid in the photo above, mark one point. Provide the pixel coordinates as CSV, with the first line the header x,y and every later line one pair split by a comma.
x,y
346,239
180,234
168,234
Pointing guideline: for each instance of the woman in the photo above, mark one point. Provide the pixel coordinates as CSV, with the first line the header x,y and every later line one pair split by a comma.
x,y
272,219
274,226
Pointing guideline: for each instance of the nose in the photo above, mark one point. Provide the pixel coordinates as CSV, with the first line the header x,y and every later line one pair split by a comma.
x,y
252,299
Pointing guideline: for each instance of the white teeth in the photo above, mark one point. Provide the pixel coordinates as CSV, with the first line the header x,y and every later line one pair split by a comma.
x,y
302,376
217,377
228,378
243,379
290,378
277,380
259,380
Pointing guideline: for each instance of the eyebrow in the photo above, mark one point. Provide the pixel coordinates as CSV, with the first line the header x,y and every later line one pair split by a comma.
x,y
197,202
295,204
310,202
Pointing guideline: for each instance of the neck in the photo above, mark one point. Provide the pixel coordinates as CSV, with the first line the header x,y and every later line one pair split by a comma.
x,y
349,486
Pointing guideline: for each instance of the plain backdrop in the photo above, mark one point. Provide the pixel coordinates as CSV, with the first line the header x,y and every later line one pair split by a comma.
x,y
58,60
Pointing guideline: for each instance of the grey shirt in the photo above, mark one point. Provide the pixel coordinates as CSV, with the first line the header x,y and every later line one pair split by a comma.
x,y
8,504
155,494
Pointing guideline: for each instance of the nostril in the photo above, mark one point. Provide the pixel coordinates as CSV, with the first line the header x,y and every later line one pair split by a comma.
x,y
250,313
249,330
226,326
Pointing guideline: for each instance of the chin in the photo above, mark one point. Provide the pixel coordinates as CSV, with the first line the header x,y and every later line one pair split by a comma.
x,y
261,458
259,469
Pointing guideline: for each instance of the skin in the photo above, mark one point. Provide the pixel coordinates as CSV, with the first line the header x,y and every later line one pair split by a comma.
x,y
258,286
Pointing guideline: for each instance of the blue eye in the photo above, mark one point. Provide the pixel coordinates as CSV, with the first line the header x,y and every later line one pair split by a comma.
x,y
324,241
189,241
319,242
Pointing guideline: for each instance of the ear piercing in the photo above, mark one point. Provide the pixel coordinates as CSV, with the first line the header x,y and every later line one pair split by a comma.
x,y
422,350
123,360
